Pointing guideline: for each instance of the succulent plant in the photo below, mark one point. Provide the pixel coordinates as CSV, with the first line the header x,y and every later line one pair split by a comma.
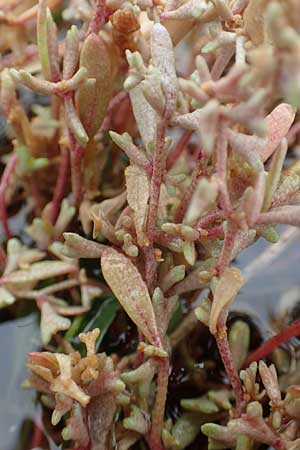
x,y
159,155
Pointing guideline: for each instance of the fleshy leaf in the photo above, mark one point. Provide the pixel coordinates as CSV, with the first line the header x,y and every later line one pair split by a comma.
x,y
6,298
138,192
144,114
163,58
42,39
76,428
278,123
274,174
78,247
51,322
228,286
92,99
64,384
39,271
130,289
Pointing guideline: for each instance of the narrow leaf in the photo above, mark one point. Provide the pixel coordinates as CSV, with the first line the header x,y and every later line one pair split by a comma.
x,y
78,247
42,39
274,174
144,114
138,192
163,58
71,55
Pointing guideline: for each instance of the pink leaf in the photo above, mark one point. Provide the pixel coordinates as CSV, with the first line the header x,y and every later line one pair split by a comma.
x,y
278,123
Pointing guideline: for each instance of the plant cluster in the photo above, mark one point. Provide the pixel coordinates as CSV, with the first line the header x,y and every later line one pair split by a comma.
x,y
155,140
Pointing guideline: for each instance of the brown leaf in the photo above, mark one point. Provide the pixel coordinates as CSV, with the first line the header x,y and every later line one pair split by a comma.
x,y
92,98
130,289
227,288
39,271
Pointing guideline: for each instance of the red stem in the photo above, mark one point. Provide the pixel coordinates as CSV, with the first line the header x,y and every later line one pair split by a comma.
x,y
181,144
117,100
150,266
2,259
159,406
38,201
159,166
221,169
157,177
209,219
98,19
37,437
76,155
4,184
226,253
215,232
61,183
226,355
267,347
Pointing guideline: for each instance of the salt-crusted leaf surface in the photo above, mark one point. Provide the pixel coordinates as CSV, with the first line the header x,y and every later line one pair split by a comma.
x,y
138,192
93,98
274,173
254,20
51,322
39,271
163,58
65,384
100,417
78,247
130,289
76,428
278,123
144,114
227,288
